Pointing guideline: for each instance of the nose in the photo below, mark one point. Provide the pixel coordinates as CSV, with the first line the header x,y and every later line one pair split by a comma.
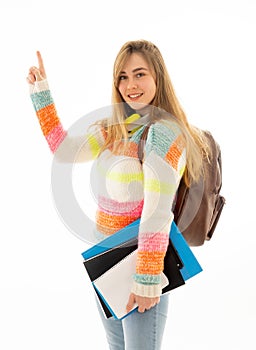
x,y
131,84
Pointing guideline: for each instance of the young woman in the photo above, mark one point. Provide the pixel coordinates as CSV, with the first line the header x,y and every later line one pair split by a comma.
x,y
142,93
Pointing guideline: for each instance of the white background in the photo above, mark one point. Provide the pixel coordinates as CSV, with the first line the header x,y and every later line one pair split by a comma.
x,y
209,48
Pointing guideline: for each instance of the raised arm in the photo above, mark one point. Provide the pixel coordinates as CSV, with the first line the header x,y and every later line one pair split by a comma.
x,y
51,125
44,105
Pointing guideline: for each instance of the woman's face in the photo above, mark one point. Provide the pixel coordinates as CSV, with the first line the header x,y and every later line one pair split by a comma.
x,y
136,82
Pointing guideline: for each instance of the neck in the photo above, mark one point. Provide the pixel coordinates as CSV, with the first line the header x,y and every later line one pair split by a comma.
x,y
144,110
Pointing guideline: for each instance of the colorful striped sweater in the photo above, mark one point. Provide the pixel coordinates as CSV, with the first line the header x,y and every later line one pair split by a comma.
x,y
128,190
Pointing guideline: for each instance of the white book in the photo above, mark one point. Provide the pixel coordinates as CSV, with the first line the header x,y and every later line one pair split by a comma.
x,y
114,286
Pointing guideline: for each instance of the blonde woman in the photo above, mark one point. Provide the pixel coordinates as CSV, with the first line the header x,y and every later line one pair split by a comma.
x,y
142,94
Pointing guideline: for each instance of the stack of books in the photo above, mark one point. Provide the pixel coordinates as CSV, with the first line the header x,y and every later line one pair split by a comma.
x,y
111,263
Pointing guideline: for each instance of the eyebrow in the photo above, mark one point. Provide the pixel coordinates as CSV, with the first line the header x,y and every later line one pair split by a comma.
x,y
135,70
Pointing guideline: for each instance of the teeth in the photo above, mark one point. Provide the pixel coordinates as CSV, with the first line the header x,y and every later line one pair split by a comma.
x,y
134,96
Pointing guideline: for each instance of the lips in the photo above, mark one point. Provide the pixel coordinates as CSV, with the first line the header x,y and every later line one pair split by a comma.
x,y
135,96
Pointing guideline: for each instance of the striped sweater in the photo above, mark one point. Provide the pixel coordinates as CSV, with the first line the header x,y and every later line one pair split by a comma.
x,y
128,190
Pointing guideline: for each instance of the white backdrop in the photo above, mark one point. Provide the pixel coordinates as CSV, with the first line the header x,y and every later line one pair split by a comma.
x,y
209,48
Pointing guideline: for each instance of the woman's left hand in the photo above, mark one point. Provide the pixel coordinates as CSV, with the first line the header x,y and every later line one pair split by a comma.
x,y
144,303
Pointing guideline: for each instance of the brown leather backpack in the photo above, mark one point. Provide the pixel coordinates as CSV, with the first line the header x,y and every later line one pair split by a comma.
x,y
198,207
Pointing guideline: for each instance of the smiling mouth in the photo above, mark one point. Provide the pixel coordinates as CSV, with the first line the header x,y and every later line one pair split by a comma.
x,y
134,96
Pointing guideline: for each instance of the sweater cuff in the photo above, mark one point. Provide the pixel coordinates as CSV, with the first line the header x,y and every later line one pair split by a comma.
x,y
38,86
146,290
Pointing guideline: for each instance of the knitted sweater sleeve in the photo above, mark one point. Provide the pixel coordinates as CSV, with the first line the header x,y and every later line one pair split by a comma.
x,y
67,148
163,166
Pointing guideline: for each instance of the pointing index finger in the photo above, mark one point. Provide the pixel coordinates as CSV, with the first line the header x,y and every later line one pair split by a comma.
x,y
40,63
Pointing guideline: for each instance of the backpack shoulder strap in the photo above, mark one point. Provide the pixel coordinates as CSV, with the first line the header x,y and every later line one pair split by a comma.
x,y
213,167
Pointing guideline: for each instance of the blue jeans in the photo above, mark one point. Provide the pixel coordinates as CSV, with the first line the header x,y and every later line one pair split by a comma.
x,y
138,331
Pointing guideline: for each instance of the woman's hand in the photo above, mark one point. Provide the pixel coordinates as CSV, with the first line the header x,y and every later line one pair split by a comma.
x,y
37,73
144,303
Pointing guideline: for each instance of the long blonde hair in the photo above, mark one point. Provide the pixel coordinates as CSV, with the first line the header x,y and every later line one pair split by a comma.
x,y
165,99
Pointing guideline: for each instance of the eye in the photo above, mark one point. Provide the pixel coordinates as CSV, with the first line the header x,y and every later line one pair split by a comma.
x,y
122,77
139,75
